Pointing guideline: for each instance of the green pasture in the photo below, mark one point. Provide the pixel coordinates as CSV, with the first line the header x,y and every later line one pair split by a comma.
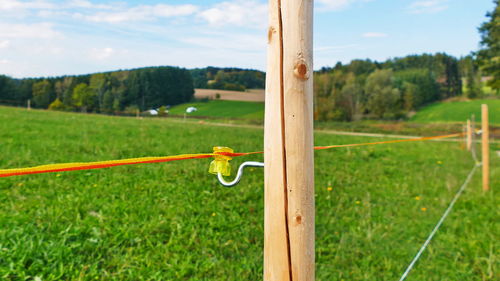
x,y
223,109
375,205
458,111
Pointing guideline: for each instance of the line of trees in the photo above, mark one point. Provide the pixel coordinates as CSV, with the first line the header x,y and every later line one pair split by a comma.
x,y
117,91
235,79
488,57
360,89
394,88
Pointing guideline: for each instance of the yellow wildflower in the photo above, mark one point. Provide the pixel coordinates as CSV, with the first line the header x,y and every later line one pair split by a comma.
x,y
418,198
423,209
329,188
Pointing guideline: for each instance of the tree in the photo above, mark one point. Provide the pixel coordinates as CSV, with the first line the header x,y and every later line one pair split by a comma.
x,y
349,98
410,92
383,97
43,94
472,74
84,98
489,55
7,89
66,91
227,78
98,83
56,105
427,88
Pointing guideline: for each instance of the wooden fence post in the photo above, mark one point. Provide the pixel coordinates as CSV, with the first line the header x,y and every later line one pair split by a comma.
x,y
29,105
485,147
469,135
288,144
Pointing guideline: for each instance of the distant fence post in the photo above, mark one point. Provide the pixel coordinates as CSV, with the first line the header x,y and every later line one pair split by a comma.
x,y
29,105
485,147
469,135
288,144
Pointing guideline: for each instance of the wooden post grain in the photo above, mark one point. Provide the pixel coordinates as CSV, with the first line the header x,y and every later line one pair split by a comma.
x,y
485,147
288,144
469,135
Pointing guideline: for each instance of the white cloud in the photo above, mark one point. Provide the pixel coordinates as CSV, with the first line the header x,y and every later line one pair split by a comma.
x,y
428,6
140,13
4,44
101,54
87,5
9,5
6,5
37,30
241,13
4,61
337,4
374,35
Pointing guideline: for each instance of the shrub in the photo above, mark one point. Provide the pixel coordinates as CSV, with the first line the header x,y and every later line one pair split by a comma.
x,y
57,105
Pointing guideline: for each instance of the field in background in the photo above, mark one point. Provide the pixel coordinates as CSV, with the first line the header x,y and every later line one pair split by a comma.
x,y
172,221
435,119
458,111
255,95
223,109
441,112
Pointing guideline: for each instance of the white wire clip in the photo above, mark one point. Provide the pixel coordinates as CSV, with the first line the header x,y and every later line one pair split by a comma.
x,y
237,179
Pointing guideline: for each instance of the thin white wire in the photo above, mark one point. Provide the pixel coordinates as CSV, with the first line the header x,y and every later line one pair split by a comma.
x,y
448,210
473,144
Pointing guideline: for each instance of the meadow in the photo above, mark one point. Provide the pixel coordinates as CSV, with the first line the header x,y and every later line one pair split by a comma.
x,y
223,109
458,111
375,205
434,119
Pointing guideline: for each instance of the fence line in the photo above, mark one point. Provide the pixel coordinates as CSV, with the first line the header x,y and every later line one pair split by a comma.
x,y
64,167
440,222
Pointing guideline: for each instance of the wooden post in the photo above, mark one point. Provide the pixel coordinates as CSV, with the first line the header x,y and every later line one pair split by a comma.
x,y
288,144
485,147
29,105
463,143
469,135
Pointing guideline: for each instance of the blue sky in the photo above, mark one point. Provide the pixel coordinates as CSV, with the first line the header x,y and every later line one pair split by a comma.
x,y
49,37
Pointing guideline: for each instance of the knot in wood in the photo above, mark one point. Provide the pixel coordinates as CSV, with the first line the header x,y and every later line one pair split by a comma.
x,y
301,71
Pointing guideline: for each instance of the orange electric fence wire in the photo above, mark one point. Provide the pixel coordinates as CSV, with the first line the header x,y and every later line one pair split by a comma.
x,y
51,168
391,141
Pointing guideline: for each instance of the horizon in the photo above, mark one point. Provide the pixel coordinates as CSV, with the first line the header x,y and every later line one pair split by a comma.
x,y
221,67
80,37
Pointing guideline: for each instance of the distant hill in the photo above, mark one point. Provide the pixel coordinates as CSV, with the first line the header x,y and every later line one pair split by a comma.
x,y
108,92
255,95
458,111
234,79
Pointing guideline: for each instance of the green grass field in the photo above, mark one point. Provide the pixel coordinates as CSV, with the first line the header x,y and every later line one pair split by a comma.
x,y
223,109
375,205
458,111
